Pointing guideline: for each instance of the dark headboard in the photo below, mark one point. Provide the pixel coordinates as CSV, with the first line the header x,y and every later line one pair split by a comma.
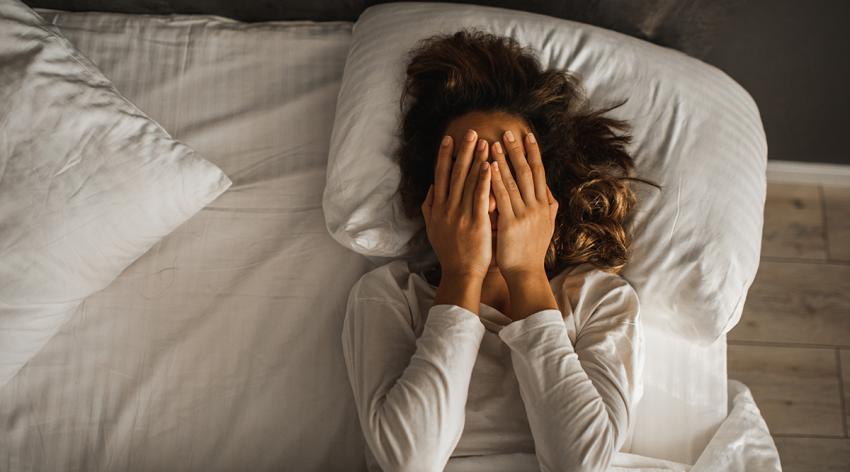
x,y
688,25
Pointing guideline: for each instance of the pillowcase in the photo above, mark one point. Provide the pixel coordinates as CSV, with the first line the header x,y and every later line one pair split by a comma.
x,y
696,132
88,183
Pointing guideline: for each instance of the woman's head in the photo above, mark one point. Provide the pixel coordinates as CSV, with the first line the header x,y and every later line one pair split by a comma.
x,y
472,79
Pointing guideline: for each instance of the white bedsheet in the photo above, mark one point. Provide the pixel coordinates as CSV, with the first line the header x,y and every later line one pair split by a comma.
x,y
684,397
219,349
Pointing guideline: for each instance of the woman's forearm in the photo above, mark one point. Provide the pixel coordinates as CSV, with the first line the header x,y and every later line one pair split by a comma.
x,y
578,392
530,292
410,392
463,290
578,417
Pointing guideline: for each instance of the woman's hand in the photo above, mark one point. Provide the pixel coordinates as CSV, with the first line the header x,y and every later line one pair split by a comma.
x,y
455,209
526,208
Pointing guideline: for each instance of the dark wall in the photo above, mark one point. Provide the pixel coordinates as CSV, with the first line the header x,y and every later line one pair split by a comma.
x,y
791,55
687,25
794,59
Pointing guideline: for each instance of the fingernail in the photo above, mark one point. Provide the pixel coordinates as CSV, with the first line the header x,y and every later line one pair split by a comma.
x,y
509,136
497,147
481,144
531,138
496,166
470,135
485,166
446,140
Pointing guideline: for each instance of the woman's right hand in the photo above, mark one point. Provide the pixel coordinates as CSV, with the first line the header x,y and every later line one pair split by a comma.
x,y
455,209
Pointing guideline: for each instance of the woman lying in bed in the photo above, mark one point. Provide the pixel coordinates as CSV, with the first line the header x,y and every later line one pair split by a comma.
x,y
523,340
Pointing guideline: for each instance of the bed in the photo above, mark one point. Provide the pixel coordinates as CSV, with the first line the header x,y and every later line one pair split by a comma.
x,y
219,349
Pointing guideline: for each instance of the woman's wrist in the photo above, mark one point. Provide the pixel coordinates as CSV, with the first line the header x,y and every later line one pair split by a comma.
x,y
461,289
530,293
517,275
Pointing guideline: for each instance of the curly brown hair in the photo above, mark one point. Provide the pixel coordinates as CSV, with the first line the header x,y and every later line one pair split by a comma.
x,y
584,153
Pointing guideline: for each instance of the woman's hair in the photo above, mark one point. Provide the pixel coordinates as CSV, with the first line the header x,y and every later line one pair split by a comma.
x,y
587,166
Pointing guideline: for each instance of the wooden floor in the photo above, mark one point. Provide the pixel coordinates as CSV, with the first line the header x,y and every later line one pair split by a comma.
x,y
792,346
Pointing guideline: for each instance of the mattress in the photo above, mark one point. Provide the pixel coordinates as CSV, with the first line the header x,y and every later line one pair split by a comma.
x,y
219,348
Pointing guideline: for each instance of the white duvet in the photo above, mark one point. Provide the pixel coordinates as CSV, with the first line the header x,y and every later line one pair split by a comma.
x,y
219,348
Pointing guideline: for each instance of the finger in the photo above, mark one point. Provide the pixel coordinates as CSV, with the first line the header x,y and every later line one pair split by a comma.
x,y
441,172
482,192
472,180
538,172
507,179
553,203
503,199
428,203
460,169
469,187
522,170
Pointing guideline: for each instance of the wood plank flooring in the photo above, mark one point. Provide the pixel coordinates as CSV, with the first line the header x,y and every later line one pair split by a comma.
x,y
792,346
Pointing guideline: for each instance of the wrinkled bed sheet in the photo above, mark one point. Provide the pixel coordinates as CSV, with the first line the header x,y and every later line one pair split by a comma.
x,y
219,348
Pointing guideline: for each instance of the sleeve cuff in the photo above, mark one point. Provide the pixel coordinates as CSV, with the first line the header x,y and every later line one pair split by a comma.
x,y
518,328
454,314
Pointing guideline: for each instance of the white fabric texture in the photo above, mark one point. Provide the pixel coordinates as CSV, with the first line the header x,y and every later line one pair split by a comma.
x,y
684,399
437,382
743,441
696,132
88,183
219,349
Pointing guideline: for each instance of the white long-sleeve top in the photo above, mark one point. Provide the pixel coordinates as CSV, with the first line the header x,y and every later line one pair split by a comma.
x,y
441,388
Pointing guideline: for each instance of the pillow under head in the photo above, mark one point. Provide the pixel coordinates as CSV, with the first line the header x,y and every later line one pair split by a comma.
x,y
88,183
696,133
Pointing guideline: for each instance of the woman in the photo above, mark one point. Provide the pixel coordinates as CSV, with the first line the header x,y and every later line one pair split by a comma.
x,y
521,349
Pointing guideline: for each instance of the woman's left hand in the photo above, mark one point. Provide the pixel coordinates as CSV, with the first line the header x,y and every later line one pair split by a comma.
x,y
526,207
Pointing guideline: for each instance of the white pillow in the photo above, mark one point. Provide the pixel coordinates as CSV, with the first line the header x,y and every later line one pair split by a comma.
x,y
88,183
696,132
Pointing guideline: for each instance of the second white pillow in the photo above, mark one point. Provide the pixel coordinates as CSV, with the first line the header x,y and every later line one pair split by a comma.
x,y
88,183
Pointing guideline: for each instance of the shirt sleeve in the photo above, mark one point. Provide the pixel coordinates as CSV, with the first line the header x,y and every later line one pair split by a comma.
x,y
410,393
578,398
